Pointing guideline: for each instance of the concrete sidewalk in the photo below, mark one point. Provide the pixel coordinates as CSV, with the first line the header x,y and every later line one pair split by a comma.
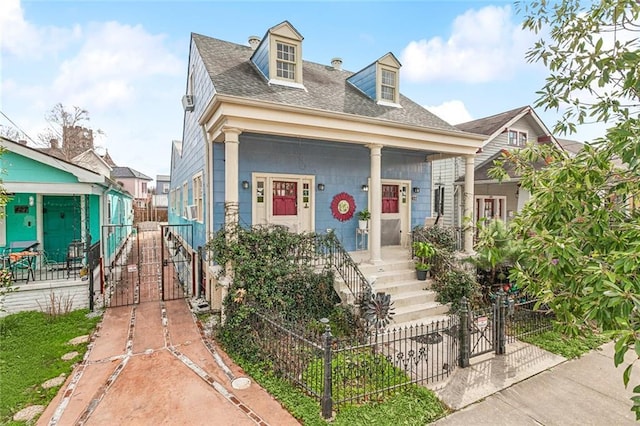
x,y
584,391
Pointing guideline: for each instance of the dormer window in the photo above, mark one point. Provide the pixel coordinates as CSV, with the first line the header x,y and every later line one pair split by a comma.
x,y
380,81
286,61
388,85
279,56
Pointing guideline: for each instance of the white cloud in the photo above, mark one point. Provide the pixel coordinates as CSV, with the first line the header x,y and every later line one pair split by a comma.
x,y
113,60
484,45
453,112
22,39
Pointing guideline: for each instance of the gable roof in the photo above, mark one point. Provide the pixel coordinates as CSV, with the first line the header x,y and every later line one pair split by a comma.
x,y
107,159
89,154
128,172
491,124
481,173
571,145
81,173
325,88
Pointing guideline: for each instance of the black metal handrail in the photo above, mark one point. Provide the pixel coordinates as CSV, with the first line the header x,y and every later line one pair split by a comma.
x,y
327,250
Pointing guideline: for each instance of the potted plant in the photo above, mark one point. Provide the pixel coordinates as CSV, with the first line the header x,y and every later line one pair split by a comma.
x,y
363,218
424,251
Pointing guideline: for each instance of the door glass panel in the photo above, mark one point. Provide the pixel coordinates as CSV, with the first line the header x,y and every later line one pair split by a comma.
x,y
285,198
390,199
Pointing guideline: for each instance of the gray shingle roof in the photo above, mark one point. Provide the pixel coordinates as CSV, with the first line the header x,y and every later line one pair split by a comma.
x,y
232,73
128,172
489,125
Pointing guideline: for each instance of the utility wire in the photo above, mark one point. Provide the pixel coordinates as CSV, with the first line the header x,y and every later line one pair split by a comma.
x,y
17,127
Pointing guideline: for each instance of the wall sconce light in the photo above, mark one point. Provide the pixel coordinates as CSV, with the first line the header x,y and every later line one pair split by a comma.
x,y
416,190
321,187
365,188
31,200
245,184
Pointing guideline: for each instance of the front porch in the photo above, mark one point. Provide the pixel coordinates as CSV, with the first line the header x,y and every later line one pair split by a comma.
x,y
43,283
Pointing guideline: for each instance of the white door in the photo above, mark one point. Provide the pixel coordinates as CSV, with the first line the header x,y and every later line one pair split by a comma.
x,y
285,200
395,212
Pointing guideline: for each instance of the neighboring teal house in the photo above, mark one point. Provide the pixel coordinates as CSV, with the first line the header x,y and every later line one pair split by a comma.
x,y
56,203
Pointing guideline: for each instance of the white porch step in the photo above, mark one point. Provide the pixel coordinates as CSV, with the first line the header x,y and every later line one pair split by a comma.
x,y
419,313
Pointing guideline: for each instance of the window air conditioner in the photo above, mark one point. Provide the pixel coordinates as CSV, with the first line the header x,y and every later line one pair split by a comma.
x,y
191,212
187,102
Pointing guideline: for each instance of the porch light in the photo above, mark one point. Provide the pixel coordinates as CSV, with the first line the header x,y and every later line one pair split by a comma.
x,y
321,187
245,184
365,188
416,190
31,200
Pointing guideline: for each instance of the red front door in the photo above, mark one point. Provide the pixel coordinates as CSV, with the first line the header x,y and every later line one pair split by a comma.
x,y
285,198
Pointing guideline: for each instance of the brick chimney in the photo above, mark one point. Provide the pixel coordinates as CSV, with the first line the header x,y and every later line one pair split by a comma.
x,y
53,143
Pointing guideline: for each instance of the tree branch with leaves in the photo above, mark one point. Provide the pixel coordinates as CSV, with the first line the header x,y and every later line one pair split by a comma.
x,y
580,230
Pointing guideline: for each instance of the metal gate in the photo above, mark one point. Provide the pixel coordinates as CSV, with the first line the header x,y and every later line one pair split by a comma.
x,y
482,331
145,262
178,262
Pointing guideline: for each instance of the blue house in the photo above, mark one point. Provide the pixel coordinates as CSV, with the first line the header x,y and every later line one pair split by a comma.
x,y
270,138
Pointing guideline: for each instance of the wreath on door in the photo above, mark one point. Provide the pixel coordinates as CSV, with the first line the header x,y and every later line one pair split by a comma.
x,y
343,206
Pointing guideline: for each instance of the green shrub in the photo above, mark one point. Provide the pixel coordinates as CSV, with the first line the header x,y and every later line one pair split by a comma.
x,y
443,237
455,283
355,375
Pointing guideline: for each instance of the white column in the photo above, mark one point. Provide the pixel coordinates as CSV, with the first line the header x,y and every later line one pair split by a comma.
x,y
231,145
469,178
375,189
231,199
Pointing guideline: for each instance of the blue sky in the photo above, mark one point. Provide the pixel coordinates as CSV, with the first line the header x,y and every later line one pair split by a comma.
x,y
126,62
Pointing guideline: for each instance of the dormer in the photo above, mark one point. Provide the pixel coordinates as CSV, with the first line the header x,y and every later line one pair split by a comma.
x,y
380,81
279,56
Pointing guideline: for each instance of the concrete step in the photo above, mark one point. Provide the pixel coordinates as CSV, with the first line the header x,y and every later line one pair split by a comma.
x,y
420,322
394,265
411,298
419,312
384,277
399,287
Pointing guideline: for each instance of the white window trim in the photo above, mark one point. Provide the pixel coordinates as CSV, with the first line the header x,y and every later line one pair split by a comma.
x,y
185,199
199,207
273,61
518,133
379,85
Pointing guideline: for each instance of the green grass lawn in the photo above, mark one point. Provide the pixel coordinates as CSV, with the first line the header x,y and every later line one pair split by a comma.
x,y
31,344
567,346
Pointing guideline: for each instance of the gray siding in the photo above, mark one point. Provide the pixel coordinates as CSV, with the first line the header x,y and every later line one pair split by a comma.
x,y
502,141
192,160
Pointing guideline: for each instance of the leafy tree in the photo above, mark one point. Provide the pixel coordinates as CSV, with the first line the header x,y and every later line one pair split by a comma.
x,y
580,231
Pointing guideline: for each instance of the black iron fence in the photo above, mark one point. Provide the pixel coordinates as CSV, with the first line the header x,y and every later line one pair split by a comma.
x,y
343,371
525,318
339,371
